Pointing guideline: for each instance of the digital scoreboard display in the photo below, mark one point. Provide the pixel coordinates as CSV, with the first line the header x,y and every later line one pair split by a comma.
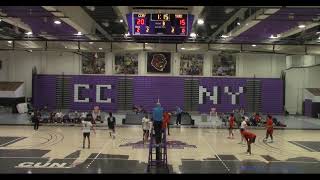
x,y
159,24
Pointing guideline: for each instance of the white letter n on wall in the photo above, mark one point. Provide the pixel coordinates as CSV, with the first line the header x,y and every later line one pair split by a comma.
x,y
213,98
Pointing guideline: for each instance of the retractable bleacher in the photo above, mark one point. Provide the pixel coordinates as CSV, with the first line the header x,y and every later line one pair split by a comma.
x,y
11,94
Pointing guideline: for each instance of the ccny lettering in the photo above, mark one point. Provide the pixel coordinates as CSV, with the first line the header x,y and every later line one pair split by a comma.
x,y
215,97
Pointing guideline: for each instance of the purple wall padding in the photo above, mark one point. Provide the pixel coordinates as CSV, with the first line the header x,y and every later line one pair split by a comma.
x,y
170,90
272,96
44,91
225,105
93,81
148,89
308,107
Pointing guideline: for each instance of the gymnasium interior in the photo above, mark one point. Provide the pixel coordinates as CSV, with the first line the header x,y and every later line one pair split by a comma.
x,y
205,69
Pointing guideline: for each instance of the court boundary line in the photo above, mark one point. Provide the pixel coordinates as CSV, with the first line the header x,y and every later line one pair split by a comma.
x,y
297,162
217,155
102,149
298,144
16,139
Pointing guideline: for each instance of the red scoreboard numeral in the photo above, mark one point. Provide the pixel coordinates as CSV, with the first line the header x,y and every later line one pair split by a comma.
x,y
140,21
182,22
138,29
183,30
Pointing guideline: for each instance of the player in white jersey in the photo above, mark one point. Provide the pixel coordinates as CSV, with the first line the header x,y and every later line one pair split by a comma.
x,y
86,129
243,127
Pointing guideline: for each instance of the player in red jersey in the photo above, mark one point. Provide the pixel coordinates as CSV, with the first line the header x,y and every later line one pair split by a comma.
x,y
231,125
166,121
269,126
250,138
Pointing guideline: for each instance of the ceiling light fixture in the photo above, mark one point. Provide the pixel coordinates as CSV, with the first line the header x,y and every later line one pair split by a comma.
x,y
57,22
200,21
183,48
274,37
100,49
121,20
224,36
238,23
253,45
29,33
127,34
193,35
302,26
90,42
79,33
145,43
9,42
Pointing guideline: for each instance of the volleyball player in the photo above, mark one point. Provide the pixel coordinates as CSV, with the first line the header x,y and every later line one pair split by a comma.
x,y
243,127
250,138
231,126
269,126
86,129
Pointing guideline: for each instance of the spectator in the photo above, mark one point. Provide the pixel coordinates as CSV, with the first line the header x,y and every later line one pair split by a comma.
x,y
178,112
58,117
36,118
111,125
96,114
257,119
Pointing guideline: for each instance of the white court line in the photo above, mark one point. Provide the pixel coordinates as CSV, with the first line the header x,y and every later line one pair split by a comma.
x,y
298,144
302,162
11,141
102,149
216,155
297,162
58,158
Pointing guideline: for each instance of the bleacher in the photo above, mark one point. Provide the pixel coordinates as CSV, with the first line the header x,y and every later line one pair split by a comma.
x,y
11,94
312,102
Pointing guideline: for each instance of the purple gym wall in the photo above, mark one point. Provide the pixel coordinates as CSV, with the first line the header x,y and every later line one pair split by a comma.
x,y
95,80
147,90
170,91
308,107
44,90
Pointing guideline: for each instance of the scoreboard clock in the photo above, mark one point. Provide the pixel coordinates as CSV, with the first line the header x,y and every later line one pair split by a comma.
x,y
141,24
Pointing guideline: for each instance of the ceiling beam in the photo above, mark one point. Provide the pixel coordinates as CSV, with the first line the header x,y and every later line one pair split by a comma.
x,y
79,20
16,22
122,11
196,11
223,27
249,22
293,31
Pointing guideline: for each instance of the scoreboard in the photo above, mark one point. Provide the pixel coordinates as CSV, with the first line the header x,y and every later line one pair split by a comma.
x,y
142,24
